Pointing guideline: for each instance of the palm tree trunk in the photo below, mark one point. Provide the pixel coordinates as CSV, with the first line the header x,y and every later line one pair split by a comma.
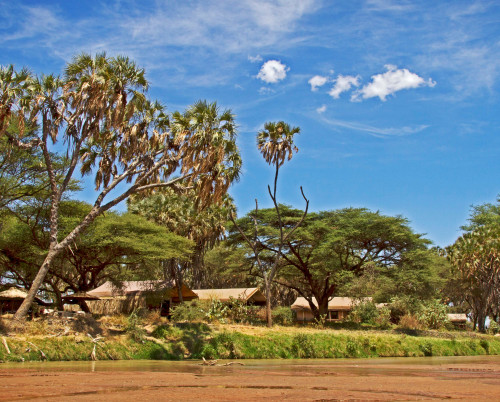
x,y
22,311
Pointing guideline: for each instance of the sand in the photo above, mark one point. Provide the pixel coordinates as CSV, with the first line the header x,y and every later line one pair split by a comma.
x,y
359,380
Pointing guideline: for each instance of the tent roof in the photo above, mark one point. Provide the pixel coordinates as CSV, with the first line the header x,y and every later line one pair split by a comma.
x,y
13,293
226,294
80,296
457,317
336,303
108,289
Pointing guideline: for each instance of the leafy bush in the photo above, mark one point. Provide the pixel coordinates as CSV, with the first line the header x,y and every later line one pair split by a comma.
x,y
434,314
192,311
493,328
283,316
485,345
426,347
383,320
133,328
217,311
364,312
404,305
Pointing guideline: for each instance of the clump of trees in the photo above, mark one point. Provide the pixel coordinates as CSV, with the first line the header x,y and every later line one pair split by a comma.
x,y
98,110
475,257
175,170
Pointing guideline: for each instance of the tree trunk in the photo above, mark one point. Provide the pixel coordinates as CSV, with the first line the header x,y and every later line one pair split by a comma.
x,y
22,311
323,307
58,297
269,316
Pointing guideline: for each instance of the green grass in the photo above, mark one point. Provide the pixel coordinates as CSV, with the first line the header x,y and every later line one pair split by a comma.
x,y
194,341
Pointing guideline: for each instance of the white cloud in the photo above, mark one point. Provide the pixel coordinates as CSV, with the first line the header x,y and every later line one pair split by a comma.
x,y
317,81
379,132
343,83
393,80
321,109
266,91
255,59
272,71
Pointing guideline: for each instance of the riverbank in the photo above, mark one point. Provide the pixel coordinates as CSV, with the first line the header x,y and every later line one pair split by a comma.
x,y
198,340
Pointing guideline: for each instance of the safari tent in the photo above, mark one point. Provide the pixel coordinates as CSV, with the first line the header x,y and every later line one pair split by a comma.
x,y
252,296
338,308
458,320
127,296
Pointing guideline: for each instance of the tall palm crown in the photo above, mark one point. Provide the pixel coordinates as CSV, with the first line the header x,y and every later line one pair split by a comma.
x,y
211,147
275,142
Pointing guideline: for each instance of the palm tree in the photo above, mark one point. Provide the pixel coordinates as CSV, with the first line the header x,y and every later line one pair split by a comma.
x,y
276,145
111,130
200,214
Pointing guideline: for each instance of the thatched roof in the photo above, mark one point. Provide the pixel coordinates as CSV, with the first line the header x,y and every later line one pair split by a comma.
x,y
246,294
457,317
109,289
337,303
13,293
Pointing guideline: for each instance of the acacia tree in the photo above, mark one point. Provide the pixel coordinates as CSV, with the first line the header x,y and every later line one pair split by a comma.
x,y
114,247
276,145
330,249
100,112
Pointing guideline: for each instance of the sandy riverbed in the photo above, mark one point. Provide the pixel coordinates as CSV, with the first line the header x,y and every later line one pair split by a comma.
x,y
468,379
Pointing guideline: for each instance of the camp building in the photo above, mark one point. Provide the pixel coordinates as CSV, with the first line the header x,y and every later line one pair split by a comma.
x,y
130,295
252,296
338,308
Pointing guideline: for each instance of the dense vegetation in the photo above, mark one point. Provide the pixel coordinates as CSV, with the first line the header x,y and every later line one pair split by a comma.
x,y
175,170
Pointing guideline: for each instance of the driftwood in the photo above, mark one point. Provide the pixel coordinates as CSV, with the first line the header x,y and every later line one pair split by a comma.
x,y
42,355
4,341
214,363
96,341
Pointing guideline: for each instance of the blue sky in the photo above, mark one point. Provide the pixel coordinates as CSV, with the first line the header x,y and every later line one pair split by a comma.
x,y
397,101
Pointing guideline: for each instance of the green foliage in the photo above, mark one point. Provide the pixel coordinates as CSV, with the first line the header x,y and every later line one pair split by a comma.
x,y
487,214
494,328
364,312
191,311
217,311
434,314
134,327
283,316
404,305
476,260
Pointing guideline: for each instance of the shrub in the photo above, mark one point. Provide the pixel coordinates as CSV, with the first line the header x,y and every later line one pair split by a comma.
x,y
133,328
283,316
404,305
434,314
493,328
239,312
383,320
485,345
364,312
195,310
409,321
426,348
217,311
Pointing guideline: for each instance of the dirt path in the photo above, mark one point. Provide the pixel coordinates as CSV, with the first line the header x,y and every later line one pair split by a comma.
x,y
365,381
